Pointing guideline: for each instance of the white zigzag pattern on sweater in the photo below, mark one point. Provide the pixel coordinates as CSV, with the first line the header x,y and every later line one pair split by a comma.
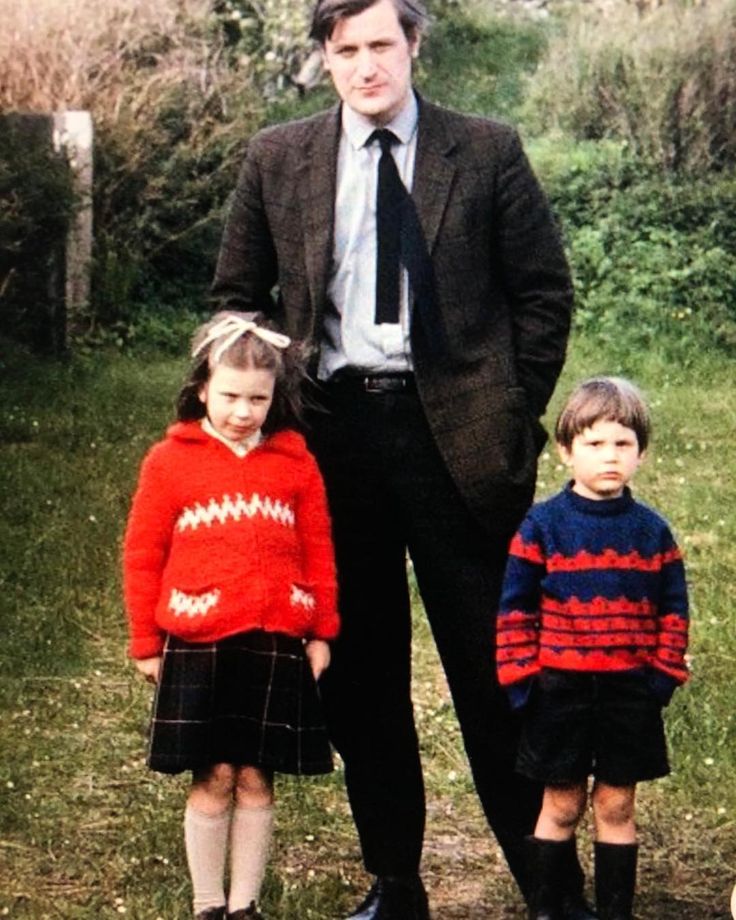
x,y
235,509
192,604
299,596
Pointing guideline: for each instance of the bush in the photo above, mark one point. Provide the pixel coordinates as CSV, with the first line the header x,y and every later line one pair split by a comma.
x,y
171,116
476,63
665,83
36,205
654,259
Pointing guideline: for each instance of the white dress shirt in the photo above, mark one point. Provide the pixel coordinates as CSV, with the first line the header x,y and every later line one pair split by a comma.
x,y
351,337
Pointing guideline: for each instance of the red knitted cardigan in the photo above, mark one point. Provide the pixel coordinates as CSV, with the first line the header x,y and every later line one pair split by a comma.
x,y
217,544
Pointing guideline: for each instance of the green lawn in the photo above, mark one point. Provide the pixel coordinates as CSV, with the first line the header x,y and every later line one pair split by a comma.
x,y
86,831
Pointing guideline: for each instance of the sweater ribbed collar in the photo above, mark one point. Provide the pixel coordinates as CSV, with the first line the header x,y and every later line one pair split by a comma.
x,y
239,448
605,507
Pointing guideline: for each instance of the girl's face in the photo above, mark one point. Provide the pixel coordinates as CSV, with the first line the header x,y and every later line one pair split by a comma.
x,y
237,401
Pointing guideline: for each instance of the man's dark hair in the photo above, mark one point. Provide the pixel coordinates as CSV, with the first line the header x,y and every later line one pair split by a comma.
x,y
327,13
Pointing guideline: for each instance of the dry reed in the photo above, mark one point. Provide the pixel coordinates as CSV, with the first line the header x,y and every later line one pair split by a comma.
x,y
59,55
664,82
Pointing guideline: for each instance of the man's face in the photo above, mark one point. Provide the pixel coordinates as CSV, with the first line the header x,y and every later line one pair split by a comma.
x,y
369,58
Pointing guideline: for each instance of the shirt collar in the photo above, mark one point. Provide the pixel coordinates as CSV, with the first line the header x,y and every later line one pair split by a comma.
x,y
240,448
358,128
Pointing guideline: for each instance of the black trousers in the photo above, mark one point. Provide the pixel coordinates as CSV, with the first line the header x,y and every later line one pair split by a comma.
x,y
390,492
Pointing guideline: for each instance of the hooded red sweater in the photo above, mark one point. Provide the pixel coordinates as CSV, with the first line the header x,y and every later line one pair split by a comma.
x,y
217,544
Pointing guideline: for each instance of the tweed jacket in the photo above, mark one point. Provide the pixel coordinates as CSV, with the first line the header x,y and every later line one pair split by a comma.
x,y
502,283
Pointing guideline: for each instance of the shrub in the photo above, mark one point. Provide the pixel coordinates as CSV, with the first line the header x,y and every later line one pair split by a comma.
x,y
665,83
653,257
475,62
36,205
267,37
171,115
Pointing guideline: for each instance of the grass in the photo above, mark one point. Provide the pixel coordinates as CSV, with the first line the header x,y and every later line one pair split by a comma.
x,y
87,831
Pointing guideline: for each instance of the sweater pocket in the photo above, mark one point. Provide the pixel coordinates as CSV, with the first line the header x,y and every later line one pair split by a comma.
x,y
187,609
303,608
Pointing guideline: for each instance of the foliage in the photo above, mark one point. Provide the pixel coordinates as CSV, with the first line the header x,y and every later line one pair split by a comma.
x,y
171,117
653,256
37,202
266,37
492,54
664,83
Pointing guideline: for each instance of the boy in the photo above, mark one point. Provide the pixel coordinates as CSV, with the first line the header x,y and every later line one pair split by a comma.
x,y
592,633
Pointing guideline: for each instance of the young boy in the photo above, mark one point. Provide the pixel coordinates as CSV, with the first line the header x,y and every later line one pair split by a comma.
x,y
592,633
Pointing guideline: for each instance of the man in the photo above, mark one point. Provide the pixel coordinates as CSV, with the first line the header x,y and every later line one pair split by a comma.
x,y
439,332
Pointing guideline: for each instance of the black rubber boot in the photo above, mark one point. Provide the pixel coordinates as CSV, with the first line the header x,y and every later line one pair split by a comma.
x,y
546,861
615,880
574,905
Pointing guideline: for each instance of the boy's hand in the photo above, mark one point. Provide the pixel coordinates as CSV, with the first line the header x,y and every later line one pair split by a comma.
x,y
149,668
318,654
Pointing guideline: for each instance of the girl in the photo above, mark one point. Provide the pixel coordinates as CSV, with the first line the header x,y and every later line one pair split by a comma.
x,y
231,598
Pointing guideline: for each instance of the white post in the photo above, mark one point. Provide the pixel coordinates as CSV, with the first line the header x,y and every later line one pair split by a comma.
x,y
73,134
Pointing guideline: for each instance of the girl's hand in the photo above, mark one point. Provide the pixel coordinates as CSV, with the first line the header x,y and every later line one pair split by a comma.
x,y
318,653
149,668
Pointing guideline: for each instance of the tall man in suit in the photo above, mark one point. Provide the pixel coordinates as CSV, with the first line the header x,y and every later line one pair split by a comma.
x,y
430,433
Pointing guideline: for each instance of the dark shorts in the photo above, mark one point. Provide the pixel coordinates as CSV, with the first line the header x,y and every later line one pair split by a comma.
x,y
248,699
605,725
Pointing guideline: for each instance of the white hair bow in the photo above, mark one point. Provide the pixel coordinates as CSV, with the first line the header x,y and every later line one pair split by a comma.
x,y
232,327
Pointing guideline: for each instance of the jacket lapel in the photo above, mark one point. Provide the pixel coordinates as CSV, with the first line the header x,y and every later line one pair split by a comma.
x,y
316,189
433,171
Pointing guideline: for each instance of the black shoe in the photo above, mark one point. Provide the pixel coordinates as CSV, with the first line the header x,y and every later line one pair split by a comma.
x,y
575,907
394,898
212,913
246,913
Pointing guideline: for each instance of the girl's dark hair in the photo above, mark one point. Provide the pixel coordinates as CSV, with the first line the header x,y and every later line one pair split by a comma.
x,y
611,399
249,351
327,13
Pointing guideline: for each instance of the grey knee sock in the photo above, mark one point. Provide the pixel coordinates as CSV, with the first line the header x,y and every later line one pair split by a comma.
x,y
205,837
250,841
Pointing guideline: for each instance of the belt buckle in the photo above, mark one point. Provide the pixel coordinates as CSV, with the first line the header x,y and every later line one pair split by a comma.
x,y
372,384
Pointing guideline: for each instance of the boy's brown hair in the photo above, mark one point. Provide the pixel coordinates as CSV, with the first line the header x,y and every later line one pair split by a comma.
x,y
612,399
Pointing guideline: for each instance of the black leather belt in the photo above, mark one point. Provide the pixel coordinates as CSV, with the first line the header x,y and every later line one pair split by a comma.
x,y
375,383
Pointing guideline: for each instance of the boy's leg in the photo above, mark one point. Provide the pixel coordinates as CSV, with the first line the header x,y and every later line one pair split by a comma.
x,y
562,809
613,811
551,850
250,836
206,829
616,851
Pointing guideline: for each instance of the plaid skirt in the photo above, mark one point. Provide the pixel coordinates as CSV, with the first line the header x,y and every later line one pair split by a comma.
x,y
247,699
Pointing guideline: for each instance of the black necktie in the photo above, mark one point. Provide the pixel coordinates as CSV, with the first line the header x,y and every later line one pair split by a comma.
x,y
400,240
389,200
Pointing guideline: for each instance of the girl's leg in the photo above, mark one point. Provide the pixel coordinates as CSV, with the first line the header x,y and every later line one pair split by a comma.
x,y
615,850
250,836
206,828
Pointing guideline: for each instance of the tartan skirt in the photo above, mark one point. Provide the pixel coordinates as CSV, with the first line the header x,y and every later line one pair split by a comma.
x,y
249,699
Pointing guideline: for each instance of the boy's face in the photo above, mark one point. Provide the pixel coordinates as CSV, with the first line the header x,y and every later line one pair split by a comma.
x,y
602,458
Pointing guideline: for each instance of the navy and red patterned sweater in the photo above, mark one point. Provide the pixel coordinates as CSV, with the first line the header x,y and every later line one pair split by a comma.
x,y
596,586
